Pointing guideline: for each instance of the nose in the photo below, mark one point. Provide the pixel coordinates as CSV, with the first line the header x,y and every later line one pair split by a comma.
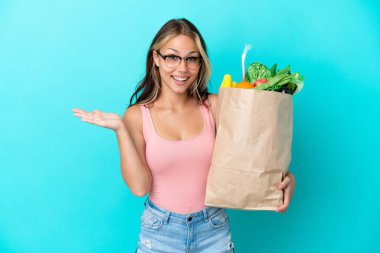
x,y
182,66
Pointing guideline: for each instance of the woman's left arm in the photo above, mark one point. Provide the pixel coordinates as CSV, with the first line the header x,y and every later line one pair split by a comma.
x,y
287,185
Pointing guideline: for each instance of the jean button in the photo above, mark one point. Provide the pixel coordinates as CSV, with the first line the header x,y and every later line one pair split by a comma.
x,y
189,218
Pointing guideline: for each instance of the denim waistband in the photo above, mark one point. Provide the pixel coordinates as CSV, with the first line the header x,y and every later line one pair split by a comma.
x,y
168,216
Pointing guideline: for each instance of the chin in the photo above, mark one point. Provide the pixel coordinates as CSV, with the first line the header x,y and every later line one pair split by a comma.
x,y
180,88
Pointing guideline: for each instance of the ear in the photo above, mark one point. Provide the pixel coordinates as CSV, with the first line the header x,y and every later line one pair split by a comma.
x,y
155,58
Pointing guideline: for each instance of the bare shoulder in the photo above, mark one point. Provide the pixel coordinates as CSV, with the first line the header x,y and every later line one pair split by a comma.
x,y
132,117
213,98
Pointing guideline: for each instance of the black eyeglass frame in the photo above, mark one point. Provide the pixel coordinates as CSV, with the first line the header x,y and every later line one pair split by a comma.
x,y
180,59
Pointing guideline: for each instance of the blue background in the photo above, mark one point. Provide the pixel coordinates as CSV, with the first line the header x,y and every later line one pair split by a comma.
x,y
60,184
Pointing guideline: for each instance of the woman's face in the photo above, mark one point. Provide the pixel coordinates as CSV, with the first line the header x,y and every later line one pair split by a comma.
x,y
178,78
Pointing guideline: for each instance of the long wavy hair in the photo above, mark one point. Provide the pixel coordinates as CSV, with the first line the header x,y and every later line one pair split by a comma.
x,y
149,88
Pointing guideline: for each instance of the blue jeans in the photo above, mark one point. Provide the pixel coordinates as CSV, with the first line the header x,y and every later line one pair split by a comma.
x,y
162,231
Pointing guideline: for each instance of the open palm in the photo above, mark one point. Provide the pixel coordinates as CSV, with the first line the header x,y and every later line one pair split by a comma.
x,y
108,120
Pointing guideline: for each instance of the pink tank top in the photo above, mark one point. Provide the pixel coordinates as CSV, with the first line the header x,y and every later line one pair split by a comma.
x,y
179,168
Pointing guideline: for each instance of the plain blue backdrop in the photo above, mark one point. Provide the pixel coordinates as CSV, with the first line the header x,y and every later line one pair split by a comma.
x,y
60,184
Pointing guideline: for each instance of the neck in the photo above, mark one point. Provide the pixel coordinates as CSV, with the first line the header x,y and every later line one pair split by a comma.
x,y
174,100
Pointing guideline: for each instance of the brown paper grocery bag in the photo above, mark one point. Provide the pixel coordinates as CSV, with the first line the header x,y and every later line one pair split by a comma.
x,y
252,149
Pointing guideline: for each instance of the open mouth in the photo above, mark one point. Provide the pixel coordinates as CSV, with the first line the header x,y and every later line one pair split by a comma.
x,y
180,80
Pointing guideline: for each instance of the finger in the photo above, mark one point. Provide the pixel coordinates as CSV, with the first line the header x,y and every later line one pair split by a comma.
x,y
76,115
287,198
86,116
87,120
285,182
98,112
81,113
282,209
78,110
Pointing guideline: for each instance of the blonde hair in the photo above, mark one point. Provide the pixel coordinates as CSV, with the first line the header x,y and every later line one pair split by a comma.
x,y
149,87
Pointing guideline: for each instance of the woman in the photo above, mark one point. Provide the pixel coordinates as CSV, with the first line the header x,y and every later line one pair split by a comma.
x,y
166,140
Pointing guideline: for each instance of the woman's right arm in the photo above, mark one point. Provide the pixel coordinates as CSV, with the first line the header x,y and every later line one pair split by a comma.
x,y
134,168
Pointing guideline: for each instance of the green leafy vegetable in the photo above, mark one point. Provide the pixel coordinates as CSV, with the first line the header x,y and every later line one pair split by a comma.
x,y
283,81
273,70
257,71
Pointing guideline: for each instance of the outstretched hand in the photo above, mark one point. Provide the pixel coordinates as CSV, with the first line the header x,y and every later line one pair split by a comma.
x,y
108,120
287,186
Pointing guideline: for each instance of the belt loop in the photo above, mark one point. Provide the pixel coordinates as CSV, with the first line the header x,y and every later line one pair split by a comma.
x,y
166,217
205,214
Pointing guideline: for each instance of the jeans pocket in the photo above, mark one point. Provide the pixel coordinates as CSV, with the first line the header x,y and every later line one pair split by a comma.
x,y
150,220
219,219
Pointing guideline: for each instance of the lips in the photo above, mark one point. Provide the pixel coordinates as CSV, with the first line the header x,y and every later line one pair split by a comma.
x,y
180,80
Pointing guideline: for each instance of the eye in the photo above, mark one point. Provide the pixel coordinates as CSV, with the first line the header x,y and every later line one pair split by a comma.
x,y
192,59
172,58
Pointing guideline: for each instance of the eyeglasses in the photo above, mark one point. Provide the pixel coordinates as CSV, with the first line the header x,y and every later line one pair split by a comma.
x,y
172,61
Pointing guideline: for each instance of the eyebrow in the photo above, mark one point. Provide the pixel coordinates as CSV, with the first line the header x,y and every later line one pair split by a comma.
x,y
179,52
